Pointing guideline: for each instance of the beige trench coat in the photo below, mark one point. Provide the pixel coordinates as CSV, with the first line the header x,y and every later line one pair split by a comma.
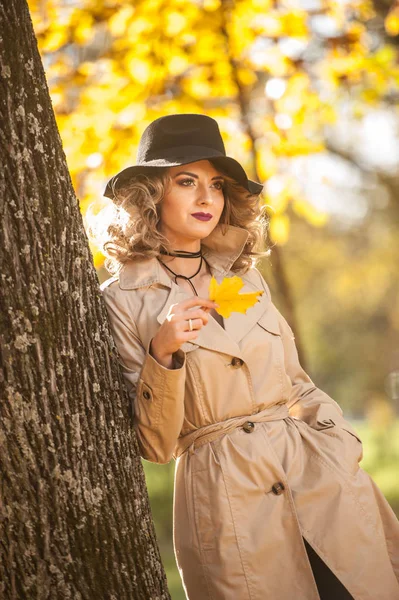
x,y
263,457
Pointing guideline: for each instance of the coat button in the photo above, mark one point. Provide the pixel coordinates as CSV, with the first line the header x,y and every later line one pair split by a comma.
x,y
237,362
248,427
146,395
278,488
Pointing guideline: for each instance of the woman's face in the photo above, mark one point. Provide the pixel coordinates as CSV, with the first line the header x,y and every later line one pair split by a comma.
x,y
193,202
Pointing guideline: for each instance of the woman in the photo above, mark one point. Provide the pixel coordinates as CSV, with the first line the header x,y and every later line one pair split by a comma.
x,y
270,501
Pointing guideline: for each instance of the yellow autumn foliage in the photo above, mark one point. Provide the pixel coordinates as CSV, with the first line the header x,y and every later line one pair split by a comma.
x,y
113,67
226,295
392,21
279,229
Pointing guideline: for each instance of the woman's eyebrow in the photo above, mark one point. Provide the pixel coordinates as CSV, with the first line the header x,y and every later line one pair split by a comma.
x,y
194,175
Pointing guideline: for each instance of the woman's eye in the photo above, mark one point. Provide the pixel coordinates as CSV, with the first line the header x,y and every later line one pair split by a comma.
x,y
186,183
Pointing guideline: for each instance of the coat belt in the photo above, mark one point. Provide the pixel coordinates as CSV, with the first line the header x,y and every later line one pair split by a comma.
x,y
209,433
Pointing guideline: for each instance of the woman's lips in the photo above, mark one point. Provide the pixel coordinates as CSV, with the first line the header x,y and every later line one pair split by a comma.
x,y
201,216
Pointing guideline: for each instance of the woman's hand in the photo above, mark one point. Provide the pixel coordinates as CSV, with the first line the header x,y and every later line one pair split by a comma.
x,y
175,330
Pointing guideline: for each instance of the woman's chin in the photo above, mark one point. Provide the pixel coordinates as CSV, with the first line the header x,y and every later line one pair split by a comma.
x,y
191,233
204,228
204,233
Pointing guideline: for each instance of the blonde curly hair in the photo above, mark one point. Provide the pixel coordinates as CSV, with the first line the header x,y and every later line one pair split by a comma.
x,y
129,228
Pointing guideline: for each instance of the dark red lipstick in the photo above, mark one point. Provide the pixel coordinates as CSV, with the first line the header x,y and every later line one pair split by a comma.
x,y
202,216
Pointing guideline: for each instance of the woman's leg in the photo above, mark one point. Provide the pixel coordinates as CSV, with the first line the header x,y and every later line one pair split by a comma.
x,y
330,588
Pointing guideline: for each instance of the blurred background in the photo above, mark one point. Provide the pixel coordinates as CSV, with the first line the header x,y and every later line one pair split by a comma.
x,y
306,95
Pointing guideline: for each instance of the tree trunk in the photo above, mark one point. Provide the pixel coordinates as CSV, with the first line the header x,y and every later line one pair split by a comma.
x,y
75,519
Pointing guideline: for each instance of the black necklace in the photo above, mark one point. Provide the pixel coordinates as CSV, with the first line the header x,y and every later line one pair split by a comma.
x,y
183,253
184,277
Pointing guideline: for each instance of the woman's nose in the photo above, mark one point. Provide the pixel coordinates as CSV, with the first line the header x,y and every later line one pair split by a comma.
x,y
205,195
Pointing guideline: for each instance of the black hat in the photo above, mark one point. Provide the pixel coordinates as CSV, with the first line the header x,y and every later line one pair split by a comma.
x,y
178,140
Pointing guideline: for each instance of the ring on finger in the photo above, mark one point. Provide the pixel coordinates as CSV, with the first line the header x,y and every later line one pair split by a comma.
x,y
190,324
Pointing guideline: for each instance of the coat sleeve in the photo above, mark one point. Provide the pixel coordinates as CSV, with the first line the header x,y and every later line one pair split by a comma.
x,y
306,401
156,393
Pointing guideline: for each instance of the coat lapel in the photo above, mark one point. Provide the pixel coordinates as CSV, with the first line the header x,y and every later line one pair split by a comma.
x,y
220,249
212,337
238,324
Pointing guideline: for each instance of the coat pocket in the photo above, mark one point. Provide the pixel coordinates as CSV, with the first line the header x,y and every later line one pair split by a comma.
x,y
348,445
358,442
212,516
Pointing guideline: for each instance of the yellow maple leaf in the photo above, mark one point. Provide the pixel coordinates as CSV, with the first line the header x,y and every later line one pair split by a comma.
x,y
227,297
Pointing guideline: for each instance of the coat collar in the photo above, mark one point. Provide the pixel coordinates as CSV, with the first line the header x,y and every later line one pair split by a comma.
x,y
220,250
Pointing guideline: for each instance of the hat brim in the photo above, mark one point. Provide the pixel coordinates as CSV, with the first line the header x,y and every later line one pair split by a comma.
x,y
231,166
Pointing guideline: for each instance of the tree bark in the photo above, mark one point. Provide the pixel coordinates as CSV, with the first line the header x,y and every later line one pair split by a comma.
x,y
75,519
